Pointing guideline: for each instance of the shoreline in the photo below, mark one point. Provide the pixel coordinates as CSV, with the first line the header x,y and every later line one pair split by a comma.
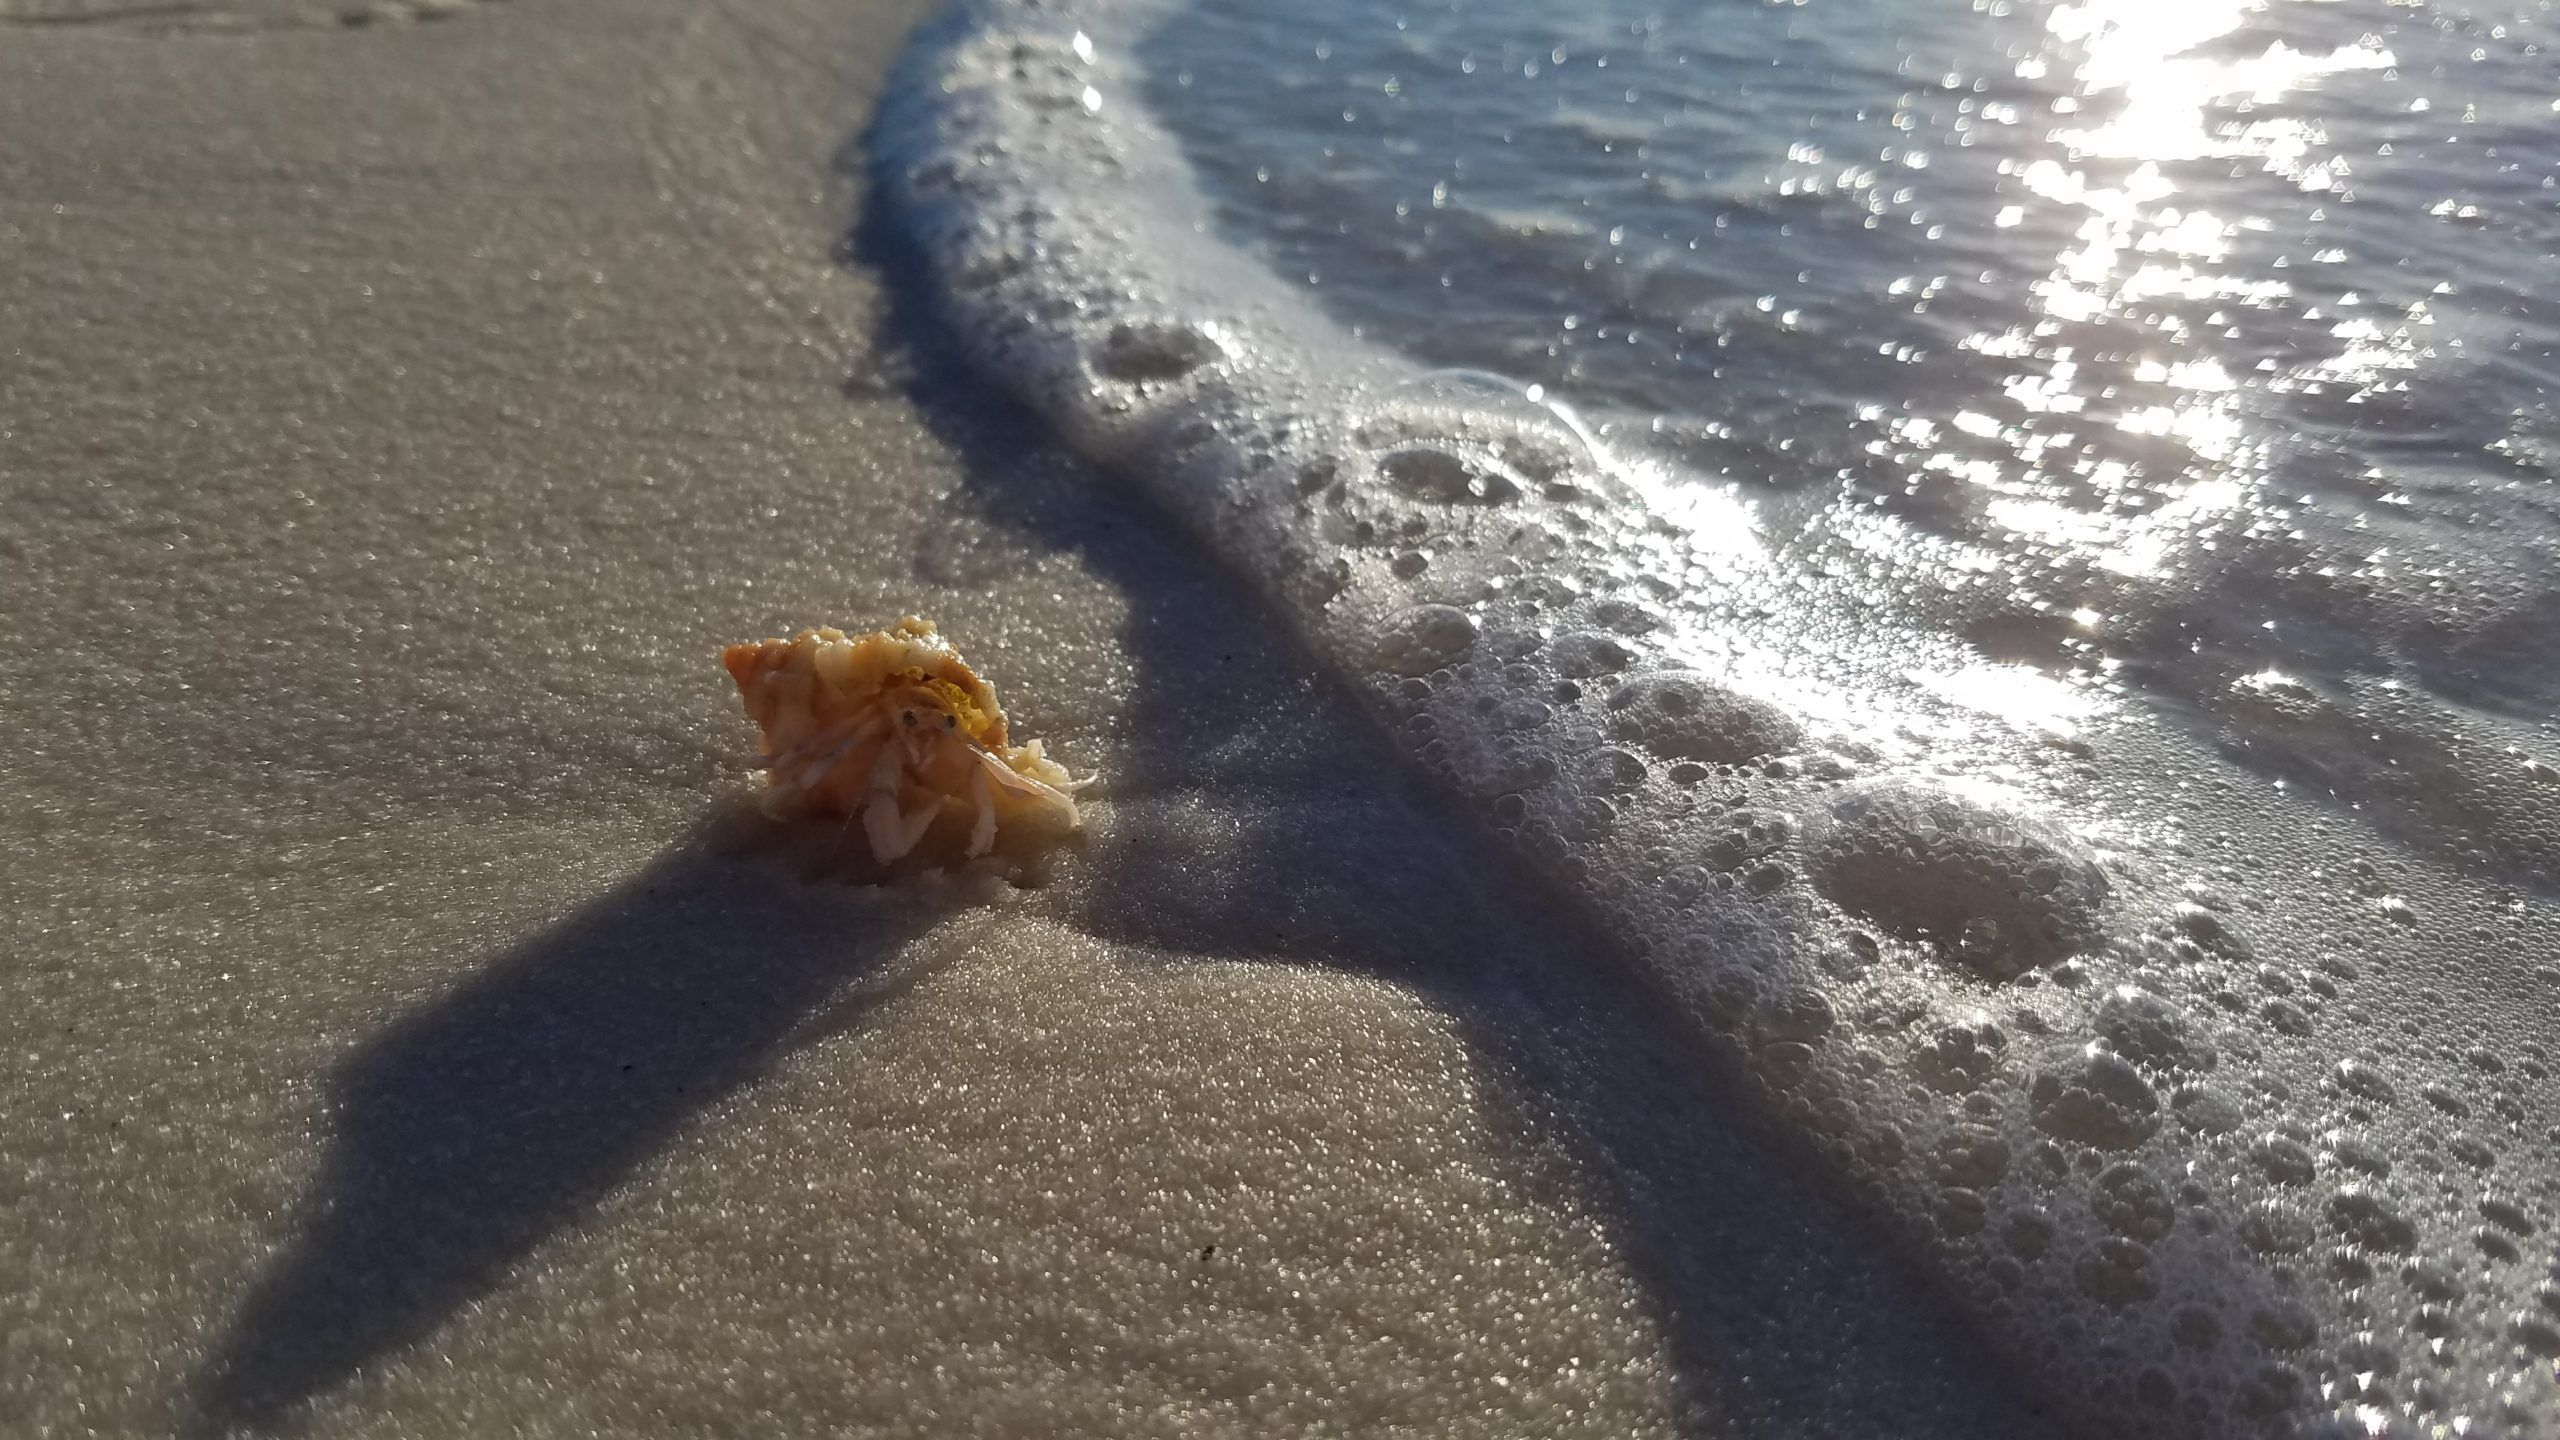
x,y
2090,1022
403,417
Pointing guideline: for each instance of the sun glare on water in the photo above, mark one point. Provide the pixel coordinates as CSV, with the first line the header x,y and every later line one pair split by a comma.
x,y
2149,94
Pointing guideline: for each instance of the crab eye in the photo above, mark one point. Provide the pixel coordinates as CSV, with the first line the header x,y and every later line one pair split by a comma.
x,y
907,718
950,722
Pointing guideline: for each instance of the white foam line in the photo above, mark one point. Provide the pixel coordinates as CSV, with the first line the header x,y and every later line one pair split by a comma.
x,y
2043,1063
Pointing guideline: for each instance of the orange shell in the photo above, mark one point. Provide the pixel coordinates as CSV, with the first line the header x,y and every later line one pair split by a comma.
x,y
894,728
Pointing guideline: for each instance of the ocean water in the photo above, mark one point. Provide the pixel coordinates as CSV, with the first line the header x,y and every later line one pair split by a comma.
x,y
1998,555
2213,339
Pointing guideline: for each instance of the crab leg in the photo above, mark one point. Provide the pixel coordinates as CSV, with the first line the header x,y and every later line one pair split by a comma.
x,y
982,833
882,823
992,766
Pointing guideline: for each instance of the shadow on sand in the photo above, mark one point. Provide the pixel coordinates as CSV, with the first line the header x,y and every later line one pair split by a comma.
x,y
466,1135
1786,1312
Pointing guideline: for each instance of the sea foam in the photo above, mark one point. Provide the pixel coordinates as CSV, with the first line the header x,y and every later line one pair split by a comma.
x,y
2220,1112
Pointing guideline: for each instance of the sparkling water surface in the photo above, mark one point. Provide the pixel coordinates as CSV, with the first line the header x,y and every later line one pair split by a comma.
x,y
1998,554
2197,350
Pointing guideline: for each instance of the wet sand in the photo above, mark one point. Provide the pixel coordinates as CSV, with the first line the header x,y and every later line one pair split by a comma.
x,y
408,1035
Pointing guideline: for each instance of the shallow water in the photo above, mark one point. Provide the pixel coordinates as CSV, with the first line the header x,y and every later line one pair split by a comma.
x,y
2047,697
2202,346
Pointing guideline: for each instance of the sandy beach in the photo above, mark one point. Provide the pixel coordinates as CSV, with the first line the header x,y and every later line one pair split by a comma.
x,y
408,1035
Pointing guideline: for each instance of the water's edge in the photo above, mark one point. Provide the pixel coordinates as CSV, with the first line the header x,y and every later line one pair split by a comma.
x,y
1994,1010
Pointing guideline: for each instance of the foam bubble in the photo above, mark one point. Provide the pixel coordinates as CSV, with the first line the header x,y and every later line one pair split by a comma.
x,y
2152,1032
2367,1217
2027,1232
1998,892
1961,1056
2275,1228
1447,477
1584,655
1423,639
1154,350
2023,948
2285,1160
1973,1157
2097,1100
1686,715
2133,1203
2116,1272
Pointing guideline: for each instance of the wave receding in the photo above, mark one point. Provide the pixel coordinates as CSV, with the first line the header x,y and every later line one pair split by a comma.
x,y
2219,1108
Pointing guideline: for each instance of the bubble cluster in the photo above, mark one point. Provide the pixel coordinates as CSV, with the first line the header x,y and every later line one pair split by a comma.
x,y
1686,715
2218,1100
2098,1100
1154,350
1424,639
2152,1032
1426,472
2367,1217
2116,1272
1997,892
1585,655
2132,1202
1961,1056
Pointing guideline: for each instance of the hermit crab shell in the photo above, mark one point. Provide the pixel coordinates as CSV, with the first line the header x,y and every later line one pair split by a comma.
x,y
798,687
894,729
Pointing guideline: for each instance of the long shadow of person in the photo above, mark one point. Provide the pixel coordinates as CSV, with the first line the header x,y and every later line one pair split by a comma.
x,y
464,1136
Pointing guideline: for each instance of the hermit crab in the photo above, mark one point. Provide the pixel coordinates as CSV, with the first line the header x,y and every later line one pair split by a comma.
x,y
892,728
